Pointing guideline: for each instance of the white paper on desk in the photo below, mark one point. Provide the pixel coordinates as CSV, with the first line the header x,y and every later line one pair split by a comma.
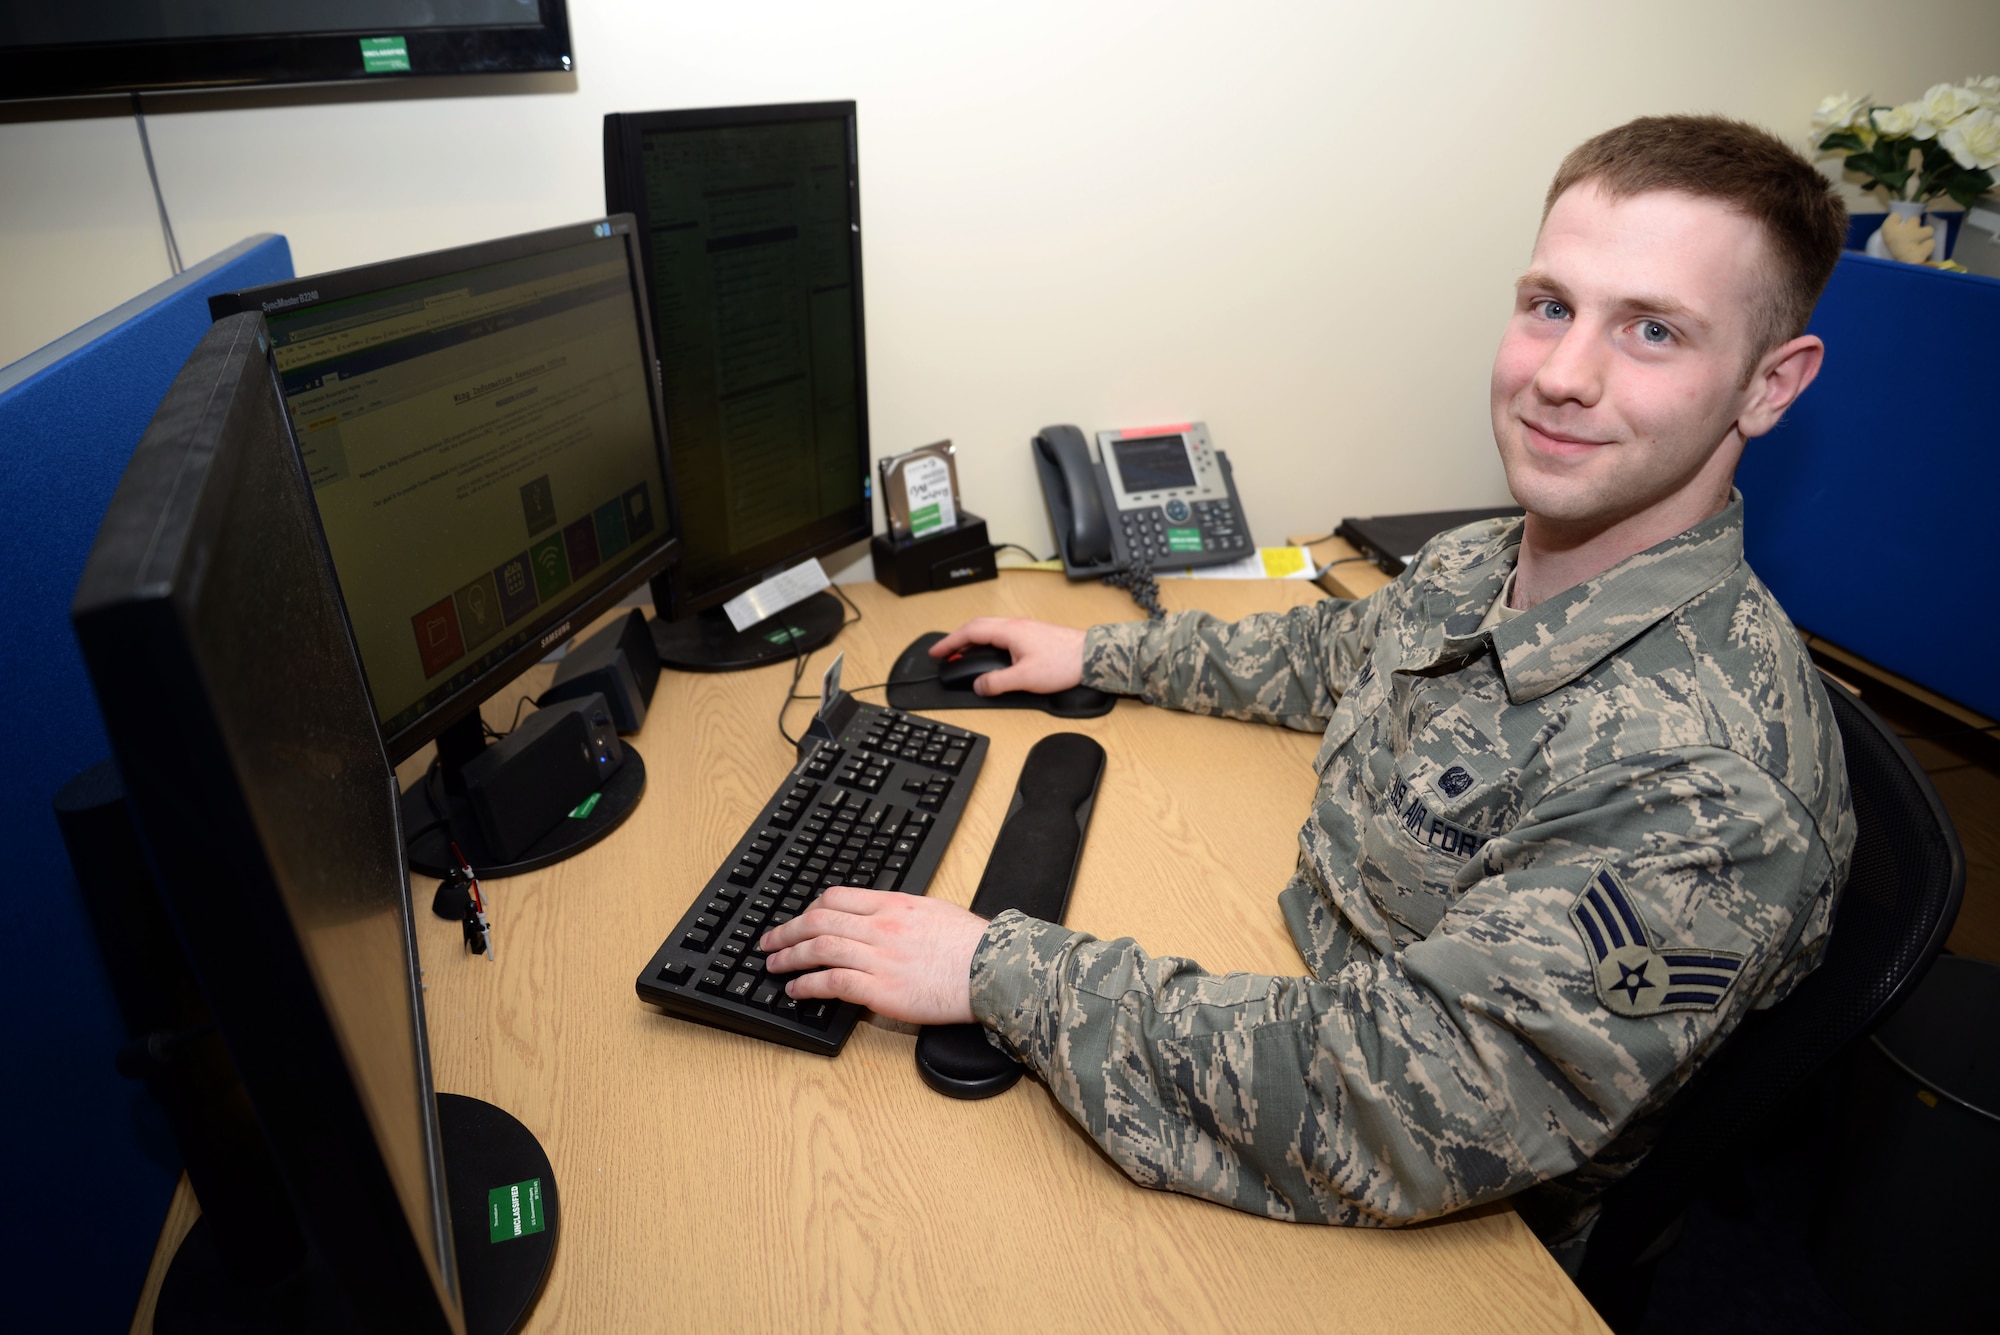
x,y
1265,563
775,594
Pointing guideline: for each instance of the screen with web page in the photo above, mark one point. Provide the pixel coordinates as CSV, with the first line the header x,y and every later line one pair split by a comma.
x,y
482,450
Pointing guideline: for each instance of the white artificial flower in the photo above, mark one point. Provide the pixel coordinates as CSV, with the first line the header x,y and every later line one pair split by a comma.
x,y
1974,140
1837,111
1943,104
1896,122
1986,89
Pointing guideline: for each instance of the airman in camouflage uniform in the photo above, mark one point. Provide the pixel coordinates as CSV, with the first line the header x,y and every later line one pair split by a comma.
x,y
1552,861
1580,804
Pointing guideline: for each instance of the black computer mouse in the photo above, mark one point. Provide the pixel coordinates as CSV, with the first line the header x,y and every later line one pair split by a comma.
x,y
958,672
917,682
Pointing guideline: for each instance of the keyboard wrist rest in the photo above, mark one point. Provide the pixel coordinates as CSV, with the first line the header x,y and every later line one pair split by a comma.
x,y
1031,868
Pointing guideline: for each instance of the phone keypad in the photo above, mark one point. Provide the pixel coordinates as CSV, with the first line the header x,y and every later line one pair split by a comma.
x,y
1146,536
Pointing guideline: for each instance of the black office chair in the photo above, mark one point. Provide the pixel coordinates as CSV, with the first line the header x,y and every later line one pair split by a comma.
x,y
1894,914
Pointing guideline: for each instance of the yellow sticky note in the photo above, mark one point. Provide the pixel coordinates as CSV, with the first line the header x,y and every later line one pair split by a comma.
x,y
1282,562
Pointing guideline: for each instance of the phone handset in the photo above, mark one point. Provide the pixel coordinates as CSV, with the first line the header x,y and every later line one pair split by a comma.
x,y
1076,501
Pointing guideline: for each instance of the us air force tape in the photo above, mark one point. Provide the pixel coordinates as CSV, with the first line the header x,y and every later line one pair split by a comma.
x,y
1633,976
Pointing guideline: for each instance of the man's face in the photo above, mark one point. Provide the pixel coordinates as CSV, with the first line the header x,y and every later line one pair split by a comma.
x,y
1618,385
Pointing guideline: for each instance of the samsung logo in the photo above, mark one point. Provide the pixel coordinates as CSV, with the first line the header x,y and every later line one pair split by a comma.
x,y
559,633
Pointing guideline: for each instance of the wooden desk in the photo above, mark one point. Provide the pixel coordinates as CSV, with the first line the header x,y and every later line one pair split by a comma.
x,y
715,1182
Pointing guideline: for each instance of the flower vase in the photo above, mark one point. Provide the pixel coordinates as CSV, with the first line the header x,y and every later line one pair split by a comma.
x,y
1907,208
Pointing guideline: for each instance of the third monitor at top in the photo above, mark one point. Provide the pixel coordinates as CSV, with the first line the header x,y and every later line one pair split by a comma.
x,y
750,220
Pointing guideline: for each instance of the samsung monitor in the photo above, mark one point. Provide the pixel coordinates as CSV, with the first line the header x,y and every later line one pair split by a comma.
x,y
752,225
483,432
91,47
214,635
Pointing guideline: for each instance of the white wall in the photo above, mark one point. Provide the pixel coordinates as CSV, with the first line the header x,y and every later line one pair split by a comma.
x,y
1298,221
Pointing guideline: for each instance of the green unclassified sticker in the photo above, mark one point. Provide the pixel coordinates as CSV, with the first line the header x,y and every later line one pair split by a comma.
x,y
924,520
585,807
516,1211
784,635
385,55
1183,539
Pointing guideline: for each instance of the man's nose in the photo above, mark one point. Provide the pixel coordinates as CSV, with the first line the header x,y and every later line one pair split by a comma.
x,y
1573,371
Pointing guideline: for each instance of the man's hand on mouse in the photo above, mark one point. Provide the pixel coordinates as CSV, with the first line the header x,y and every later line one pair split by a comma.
x,y
1047,658
903,956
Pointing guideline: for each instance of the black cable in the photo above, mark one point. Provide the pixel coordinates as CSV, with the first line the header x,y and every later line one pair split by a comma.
x,y
1307,542
1339,561
1137,580
435,798
799,661
878,685
166,224
524,700
798,671
999,547
871,686
851,607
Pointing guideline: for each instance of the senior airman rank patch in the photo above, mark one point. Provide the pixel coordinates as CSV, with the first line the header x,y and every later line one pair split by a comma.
x,y
1633,976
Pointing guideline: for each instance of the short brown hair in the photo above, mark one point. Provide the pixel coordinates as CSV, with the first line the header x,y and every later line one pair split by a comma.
x,y
1749,170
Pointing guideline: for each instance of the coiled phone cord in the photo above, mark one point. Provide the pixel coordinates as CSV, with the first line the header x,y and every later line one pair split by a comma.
x,y
1137,580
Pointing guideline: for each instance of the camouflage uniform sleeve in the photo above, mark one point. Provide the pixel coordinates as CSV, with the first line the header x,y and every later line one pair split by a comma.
x,y
1274,667
1461,1068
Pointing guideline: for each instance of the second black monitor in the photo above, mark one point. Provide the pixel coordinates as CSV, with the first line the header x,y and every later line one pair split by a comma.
x,y
751,219
483,434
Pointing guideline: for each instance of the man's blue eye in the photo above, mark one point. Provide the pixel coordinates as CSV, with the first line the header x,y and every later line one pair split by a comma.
x,y
1554,310
1655,332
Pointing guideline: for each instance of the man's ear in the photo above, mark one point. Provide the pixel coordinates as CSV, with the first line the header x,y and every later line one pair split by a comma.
x,y
1781,375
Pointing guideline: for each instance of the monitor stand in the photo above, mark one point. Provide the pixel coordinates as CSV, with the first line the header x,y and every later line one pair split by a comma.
x,y
436,813
706,642
485,1149
246,1264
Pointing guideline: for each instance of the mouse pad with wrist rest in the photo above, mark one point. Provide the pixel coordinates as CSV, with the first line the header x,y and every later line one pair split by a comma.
x,y
913,684
1031,868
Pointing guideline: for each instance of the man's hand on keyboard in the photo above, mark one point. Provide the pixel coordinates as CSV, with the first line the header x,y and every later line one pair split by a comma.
x,y
903,956
1047,658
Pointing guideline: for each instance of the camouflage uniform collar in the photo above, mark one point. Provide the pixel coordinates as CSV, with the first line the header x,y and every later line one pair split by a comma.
x,y
1553,644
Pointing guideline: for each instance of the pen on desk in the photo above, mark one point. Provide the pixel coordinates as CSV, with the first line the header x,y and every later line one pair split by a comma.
x,y
478,935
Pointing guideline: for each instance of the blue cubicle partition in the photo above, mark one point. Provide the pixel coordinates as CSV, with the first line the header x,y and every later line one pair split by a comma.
x,y
91,1166
1870,511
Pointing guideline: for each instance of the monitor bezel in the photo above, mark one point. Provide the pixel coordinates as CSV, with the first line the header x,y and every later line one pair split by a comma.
x,y
206,64
134,618
624,192
546,629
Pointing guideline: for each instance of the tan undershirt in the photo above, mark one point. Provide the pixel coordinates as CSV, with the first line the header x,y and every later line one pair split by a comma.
x,y
1500,612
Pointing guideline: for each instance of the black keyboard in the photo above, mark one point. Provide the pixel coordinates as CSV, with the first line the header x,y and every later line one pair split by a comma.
x,y
873,802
